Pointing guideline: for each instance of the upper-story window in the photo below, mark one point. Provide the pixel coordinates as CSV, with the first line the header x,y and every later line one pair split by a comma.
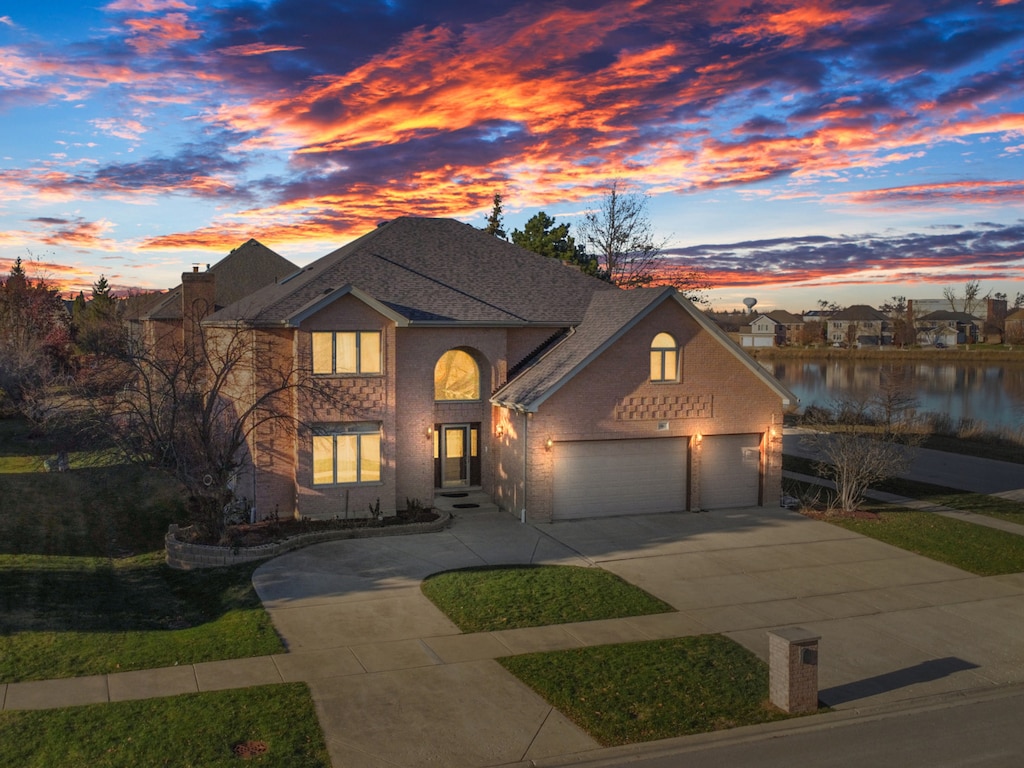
x,y
346,352
664,358
456,377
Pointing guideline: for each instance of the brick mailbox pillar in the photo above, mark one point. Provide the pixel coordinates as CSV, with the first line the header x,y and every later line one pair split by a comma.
x,y
793,669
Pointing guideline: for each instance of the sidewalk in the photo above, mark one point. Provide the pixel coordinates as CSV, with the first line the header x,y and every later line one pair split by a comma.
x,y
895,628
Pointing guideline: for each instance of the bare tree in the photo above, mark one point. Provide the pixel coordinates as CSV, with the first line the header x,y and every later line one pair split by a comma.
x,y
971,300
190,403
852,452
619,234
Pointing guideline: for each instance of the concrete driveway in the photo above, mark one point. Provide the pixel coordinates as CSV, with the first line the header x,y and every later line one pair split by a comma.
x,y
396,683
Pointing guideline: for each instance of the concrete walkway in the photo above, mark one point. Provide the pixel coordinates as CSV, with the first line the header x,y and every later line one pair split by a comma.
x,y
395,683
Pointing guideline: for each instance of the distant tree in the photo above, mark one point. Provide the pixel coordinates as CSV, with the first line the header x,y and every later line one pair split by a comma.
x,y
903,331
620,236
495,221
829,306
541,235
812,332
34,338
1018,300
971,300
97,324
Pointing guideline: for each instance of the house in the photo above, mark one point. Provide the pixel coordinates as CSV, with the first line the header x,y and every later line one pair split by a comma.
x,y
465,361
772,329
859,326
1014,327
949,328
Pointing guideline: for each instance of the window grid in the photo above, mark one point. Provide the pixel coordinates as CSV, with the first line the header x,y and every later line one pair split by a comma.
x,y
664,359
347,458
350,352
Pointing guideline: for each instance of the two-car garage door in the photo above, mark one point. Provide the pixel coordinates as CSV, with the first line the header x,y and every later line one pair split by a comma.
x,y
595,478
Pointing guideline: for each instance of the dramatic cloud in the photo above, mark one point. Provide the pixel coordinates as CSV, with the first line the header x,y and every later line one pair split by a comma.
x,y
307,123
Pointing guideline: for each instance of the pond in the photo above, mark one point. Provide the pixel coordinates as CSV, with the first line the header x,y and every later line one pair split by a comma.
x,y
991,392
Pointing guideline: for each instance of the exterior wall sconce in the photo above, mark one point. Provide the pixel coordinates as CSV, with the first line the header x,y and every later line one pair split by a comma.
x,y
549,443
698,438
500,430
430,432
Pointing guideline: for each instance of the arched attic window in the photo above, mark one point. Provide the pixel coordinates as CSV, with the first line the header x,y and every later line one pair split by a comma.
x,y
456,377
664,358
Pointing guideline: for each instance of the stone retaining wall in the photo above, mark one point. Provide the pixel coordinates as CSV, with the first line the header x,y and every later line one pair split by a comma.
x,y
186,556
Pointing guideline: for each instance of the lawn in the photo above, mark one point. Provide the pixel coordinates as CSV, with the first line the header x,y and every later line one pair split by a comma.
x,y
199,730
633,692
83,585
974,548
507,597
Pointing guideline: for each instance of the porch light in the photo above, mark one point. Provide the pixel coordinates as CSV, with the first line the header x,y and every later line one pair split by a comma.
x,y
500,430
698,438
549,443
430,432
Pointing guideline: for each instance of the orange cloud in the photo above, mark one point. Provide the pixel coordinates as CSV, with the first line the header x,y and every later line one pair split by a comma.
x,y
151,35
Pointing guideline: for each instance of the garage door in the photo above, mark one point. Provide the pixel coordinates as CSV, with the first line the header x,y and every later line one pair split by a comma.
x,y
730,471
595,478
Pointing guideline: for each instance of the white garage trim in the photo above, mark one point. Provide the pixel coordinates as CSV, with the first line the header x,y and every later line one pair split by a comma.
x,y
598,478
730,471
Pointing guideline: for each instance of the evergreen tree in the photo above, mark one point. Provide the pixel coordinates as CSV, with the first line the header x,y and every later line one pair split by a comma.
x,y
495,224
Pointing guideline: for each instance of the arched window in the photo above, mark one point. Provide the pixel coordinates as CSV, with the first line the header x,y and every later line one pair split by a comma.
x,y
664,358
456,377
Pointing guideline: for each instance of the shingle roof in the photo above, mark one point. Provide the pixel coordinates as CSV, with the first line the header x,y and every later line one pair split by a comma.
x,y
432,271
785,318
859,312
608,318
246,269
948,314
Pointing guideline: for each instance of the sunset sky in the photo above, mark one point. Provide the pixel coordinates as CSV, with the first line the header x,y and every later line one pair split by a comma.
x,y
795,151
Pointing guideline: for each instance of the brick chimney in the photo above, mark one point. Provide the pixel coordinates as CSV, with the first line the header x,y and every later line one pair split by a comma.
x,y
197,299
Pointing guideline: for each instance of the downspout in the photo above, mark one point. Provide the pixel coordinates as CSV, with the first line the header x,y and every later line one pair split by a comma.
x,y
526,454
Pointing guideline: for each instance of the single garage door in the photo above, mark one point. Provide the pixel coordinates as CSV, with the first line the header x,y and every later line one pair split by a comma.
x,y
595,478
730,471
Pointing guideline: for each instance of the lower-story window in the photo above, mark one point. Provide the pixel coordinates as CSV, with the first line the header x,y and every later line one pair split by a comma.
x,y
346,453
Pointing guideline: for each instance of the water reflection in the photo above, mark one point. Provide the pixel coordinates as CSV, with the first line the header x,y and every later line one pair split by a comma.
x,y
992,392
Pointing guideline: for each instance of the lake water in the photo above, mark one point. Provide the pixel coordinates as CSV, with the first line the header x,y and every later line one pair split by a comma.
x,y
988,392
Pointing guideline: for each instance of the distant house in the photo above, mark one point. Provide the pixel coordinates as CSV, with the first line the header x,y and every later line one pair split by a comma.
x,y
1014,327
949,328
467,361
772,329
859,326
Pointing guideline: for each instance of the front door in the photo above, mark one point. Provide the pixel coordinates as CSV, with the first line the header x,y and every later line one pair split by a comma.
x,y
456,455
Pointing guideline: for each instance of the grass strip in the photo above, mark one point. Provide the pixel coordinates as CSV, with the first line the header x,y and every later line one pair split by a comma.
x,y
975,548
186,731
71,616
632,692
507,597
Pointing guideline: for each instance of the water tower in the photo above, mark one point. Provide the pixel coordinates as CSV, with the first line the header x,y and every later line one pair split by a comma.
x,y
750,302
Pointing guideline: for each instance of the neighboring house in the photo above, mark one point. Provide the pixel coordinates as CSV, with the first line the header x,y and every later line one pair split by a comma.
x,y
247,268
465,361
1014,327
949,328
859,326
772,329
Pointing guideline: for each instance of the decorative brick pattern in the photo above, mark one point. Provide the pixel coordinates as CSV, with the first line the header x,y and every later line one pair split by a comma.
x,y
664,407
793,669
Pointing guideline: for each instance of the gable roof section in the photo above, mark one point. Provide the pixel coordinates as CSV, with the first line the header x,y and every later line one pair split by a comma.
x,y
433,271
859,312
246,269
609,316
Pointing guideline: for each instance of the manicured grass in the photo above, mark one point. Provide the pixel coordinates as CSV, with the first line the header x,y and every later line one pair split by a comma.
x,y
65,616
633,692
195,730
974,548
506,597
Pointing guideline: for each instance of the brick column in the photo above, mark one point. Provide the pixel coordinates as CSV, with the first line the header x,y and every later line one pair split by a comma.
x,y
793,669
